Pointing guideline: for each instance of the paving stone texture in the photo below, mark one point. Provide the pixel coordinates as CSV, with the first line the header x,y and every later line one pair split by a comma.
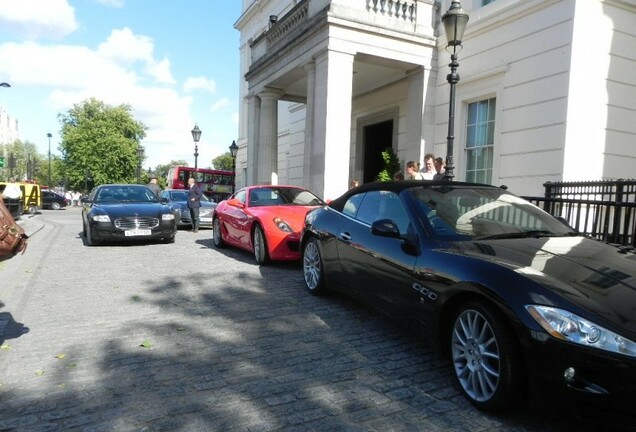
x,y
185,337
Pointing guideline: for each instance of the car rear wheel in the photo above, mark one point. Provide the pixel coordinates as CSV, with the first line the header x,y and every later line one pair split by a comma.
x,y
486,361
312,267
55,205
217,238
260,246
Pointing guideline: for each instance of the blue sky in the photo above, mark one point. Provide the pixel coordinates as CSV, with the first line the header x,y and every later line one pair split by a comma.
x,y
175,62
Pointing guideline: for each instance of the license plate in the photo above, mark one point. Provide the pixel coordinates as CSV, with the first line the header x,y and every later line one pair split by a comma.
x,y
137,232
206,219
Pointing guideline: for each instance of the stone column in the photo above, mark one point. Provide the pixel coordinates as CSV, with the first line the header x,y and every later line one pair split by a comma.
x,y
332,124
309,125
268,137
253,123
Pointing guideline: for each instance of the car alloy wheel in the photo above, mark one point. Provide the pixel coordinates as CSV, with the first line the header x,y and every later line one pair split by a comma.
x,y
55,206
312,267
260,246
485,358
217,237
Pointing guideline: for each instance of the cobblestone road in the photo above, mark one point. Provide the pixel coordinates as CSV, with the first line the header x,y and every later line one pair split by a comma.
x,y
186,337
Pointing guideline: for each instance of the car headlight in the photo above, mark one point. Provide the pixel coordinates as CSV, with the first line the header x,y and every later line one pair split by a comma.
x,y
101,218
167,216
570,327
282,225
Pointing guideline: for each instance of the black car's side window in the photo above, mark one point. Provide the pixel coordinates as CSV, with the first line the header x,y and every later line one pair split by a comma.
x,y
383,205
352,205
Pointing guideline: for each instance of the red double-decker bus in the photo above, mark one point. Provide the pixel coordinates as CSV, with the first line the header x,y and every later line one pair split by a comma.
x,y
215,184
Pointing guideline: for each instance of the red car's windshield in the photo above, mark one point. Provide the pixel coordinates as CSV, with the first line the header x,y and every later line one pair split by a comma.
x,y
282,196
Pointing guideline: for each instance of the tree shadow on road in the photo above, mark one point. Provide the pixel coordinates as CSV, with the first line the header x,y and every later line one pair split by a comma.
x,y
234,351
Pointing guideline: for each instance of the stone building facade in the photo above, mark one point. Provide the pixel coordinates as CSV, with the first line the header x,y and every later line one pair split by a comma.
x,y
546,90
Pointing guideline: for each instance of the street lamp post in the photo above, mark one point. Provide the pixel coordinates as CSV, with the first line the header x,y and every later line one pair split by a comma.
x,y
140,156
11,162
29,167
454,20
49,137
88,178
233,152
196,136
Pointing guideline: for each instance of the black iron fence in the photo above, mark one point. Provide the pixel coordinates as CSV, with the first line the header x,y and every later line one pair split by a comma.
x,y
605,210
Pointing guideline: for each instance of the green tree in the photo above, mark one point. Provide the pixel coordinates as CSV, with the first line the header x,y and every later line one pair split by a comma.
x,y
223,162
391,165
101,140
161,171
23,152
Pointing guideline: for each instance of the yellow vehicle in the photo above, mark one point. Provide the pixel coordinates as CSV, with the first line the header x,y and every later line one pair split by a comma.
x,y
30,194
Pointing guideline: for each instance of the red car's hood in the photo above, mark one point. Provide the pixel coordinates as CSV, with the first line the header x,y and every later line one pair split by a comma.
x,y
292,214
597,276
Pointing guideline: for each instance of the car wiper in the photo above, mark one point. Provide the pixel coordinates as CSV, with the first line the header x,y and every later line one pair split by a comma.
x,y
522,234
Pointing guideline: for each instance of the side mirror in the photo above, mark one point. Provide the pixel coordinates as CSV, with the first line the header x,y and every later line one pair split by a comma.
x,y
385,228
235,203
85,199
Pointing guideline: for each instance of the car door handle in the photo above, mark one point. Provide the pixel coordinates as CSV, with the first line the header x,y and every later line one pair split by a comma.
x,y
345,236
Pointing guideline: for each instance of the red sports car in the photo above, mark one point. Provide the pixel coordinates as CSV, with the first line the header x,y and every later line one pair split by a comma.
x,y
265,220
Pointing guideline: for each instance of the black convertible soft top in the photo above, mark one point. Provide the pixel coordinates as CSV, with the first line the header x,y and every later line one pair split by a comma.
x,y
398,186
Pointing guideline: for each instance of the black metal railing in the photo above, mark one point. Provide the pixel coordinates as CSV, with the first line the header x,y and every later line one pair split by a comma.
x,y
605,210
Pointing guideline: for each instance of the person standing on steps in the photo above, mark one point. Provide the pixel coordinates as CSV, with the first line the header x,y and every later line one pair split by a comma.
x,y
194,202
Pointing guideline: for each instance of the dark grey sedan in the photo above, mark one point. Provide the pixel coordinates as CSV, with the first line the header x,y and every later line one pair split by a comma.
x,y
178,200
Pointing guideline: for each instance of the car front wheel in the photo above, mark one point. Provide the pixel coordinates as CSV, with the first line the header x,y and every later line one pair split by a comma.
x,y
260,246
55,206
486,361
312,267
90,239
217,238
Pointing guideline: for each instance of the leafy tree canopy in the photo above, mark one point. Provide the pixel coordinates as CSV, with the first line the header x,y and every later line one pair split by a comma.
x,y
223,162
102,139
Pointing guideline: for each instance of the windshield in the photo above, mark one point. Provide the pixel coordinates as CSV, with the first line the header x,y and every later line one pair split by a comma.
x,y
124,194
483,213
182,195
283,196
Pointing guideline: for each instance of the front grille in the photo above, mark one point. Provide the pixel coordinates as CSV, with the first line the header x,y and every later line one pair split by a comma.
x,y
139,222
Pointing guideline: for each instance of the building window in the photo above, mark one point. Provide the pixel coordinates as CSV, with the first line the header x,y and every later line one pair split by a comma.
x,y
484,2
480,139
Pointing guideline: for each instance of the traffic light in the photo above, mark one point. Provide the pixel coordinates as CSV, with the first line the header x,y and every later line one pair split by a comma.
x,y
1,161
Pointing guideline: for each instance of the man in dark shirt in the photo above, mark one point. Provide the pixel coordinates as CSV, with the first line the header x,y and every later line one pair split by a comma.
x,y
194,202
154,186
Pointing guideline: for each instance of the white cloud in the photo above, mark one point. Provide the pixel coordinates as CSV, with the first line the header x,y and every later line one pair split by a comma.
x,y
160,71
126,47
113,3
199,83
33,19
221,104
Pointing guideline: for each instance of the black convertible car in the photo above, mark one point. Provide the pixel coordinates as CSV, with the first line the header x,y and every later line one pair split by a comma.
x,y
518,302
126,212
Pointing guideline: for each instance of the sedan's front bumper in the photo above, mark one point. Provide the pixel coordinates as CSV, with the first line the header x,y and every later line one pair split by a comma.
x,y
107,232
594,385
184,219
